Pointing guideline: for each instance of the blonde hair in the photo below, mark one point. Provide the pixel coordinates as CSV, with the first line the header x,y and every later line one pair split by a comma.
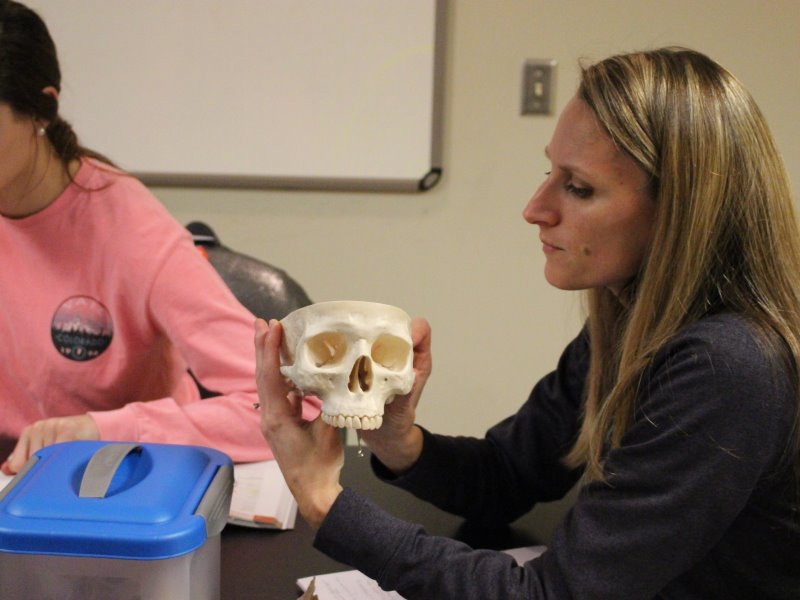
x,y
725,235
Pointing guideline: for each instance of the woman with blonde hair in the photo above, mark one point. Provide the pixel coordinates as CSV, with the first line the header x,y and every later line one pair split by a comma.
x,y
675,408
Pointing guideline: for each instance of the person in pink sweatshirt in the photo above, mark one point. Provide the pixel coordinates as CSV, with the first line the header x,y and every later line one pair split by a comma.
x,y
106,303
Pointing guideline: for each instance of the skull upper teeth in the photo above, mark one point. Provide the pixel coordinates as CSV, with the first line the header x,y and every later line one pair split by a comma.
x,y
353,422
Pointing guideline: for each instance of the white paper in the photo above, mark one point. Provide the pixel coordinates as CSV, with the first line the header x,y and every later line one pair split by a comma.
x,y
354,585
526,553
261,497
347,585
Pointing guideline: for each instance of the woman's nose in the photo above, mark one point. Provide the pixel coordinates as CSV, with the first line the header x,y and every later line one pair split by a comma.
x,y
541,208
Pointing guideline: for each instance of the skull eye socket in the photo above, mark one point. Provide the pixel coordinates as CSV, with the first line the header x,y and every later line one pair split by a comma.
x,y
391,352
326,348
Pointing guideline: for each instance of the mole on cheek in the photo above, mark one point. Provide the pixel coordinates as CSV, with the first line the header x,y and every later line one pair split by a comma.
x,y
586,251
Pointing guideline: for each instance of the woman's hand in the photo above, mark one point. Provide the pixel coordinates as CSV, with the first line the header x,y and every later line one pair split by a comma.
x,y
309,454
46,432
398,442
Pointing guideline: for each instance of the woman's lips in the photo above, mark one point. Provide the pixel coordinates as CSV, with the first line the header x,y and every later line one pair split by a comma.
x,y
548,247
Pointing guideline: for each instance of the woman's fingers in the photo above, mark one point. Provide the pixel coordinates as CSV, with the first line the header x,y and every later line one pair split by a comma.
x,y
47,432
421,338
274,392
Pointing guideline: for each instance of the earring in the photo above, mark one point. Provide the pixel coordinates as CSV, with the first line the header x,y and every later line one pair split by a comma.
x,y
41,131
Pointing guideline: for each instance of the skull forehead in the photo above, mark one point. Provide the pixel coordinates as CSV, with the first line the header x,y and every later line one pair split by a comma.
x,y
354,327
353,319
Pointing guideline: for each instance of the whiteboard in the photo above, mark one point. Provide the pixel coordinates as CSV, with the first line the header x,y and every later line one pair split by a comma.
x,y
297,94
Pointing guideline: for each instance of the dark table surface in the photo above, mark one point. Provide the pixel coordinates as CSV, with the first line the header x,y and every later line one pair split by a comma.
x,y
261,564
264,565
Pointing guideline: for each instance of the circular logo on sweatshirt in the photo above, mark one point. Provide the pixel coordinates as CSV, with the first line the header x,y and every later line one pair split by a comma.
x,y
81,328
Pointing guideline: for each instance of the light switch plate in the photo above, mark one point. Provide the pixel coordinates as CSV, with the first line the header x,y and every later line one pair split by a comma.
x,y
538,86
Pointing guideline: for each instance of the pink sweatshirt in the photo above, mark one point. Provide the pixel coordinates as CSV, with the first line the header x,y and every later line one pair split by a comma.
x,y
105,304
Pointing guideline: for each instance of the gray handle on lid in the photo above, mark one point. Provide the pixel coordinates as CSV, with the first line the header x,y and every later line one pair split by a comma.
x,y
102,467
216,503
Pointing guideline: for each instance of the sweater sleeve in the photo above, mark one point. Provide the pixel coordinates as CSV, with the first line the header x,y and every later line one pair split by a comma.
x,y
401,556
497,479
713,425
213,334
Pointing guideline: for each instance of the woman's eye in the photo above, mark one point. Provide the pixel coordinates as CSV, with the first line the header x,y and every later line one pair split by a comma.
x,y
580,192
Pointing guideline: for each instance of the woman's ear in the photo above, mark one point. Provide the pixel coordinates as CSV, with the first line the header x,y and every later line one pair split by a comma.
x,y
50,91
42,125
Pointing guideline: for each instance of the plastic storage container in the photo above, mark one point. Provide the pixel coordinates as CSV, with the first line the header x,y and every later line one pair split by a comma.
x,y
88,520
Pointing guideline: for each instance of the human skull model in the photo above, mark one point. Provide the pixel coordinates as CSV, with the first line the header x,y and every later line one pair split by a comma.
x,y
355,356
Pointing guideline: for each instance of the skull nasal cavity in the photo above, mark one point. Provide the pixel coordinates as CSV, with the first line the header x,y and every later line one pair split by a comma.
x,y
361,375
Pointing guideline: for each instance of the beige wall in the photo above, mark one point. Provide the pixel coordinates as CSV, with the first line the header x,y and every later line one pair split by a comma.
x,y
461,255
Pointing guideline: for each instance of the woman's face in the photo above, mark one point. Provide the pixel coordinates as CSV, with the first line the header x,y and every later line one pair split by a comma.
x,y
18,151
594,211
31,175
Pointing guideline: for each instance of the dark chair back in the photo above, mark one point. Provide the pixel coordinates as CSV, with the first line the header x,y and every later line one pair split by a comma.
x,y
265,290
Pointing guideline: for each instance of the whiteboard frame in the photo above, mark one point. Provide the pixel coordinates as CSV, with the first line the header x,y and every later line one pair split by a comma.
x,y
344,184
258,176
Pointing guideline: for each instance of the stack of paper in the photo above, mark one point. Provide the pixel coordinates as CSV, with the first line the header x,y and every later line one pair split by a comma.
x,y
347,585
261,497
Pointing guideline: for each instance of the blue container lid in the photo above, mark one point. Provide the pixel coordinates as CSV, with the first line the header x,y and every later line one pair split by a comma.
x,y
139,501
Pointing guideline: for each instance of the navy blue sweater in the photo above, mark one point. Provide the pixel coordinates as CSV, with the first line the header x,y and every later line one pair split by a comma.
x,y
700,500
